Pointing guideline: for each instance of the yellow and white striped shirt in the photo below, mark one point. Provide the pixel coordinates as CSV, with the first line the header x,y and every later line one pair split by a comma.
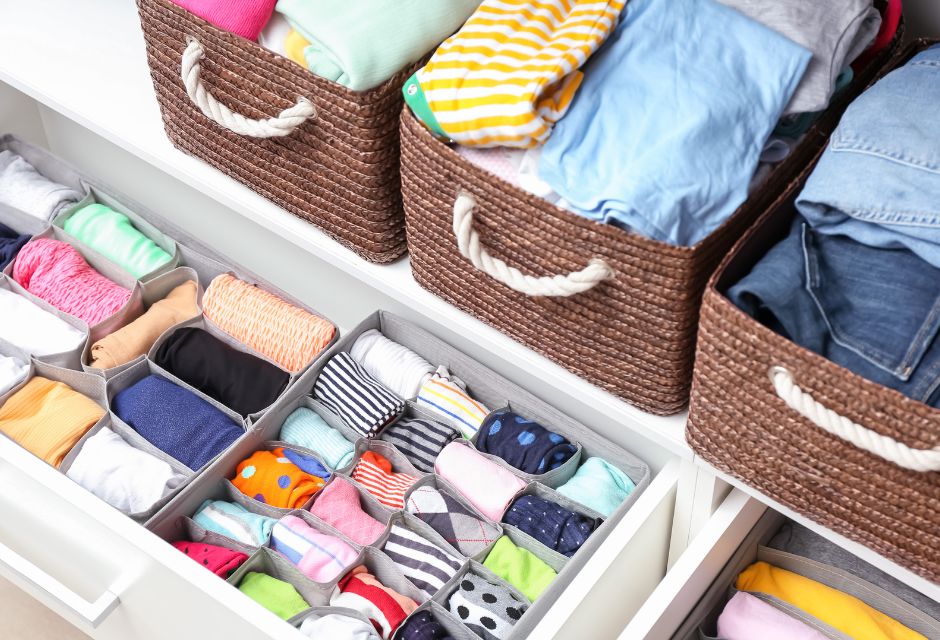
x,y
511,71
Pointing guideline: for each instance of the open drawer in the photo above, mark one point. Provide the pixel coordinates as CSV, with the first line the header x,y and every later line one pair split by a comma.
x,y
114,579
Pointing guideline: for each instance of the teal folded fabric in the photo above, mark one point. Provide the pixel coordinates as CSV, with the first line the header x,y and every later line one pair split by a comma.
x,y
305,428
599,485
112,234
234,521
363,43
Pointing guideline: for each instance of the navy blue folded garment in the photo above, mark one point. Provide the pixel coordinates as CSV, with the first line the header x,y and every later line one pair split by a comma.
x,y
525,444
10,244
176,420
242,382
423,626
551,524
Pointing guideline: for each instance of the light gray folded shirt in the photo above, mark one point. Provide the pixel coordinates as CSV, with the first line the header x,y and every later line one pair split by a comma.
x,y
24,188
836,31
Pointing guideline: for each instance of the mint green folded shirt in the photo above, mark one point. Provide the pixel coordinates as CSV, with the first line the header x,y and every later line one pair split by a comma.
x,y
363,43
112,234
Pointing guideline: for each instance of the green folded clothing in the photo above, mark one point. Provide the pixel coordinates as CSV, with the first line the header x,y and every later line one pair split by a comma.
x,y
362,44
519,567
112,234
277,596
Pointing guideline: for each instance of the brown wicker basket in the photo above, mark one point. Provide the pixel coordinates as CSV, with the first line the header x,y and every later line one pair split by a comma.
x,y
738,423
338,170
632,334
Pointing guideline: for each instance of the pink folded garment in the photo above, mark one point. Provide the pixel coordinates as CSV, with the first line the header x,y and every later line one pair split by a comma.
x,y
488,486
338,504
319,556
746,617
245,18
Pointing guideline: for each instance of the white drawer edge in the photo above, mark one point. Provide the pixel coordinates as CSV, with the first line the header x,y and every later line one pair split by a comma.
x,y
695,570
661,490
151,547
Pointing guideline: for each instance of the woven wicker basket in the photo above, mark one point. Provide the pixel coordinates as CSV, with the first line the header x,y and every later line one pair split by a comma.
x,y
632,334
337,170
739,423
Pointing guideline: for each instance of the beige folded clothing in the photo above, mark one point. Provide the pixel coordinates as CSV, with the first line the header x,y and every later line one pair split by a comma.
x,y
136,338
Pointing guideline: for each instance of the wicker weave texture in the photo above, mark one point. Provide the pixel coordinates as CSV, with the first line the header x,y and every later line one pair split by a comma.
x,y
339,170
739,424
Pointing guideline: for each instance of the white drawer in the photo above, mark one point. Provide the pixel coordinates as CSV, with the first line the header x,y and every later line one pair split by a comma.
x,y
85,560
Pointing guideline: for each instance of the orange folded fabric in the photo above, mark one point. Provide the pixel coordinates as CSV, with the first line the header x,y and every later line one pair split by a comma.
x,y
277,479
288,335
47,418
136,338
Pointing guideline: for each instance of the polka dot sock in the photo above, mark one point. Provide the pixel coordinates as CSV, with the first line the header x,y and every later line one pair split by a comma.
x,y
488,610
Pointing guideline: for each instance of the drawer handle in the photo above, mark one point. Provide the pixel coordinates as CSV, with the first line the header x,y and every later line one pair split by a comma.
x,y
93,613
862,437
282,125
569,284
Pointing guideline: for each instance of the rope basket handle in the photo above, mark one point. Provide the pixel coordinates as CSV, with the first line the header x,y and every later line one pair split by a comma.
x,y
282,125
569,284
889,449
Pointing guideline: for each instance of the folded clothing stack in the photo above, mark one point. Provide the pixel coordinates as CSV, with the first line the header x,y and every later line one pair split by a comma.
x,y
24,188
857,277
694,74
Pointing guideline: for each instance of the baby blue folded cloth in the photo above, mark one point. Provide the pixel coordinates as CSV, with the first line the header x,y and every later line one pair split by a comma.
x,y
305,428
234,521
598,485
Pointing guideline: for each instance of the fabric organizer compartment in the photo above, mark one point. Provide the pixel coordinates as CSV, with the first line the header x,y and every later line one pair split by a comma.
x,y
143,369
96,195
269,563
481,536
701,623
48,165
91,387
543,492
152,291
316,613
108,269
69,328
138,442
747,374
410,543
201,323
442,616
273,426
552,478
337,170
631,333
519,603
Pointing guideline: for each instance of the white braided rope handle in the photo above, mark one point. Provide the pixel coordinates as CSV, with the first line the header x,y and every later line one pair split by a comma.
x,y
281,125
838,425
569,284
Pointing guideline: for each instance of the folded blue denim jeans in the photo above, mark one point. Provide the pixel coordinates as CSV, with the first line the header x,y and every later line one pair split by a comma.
x,y
873,311
878,181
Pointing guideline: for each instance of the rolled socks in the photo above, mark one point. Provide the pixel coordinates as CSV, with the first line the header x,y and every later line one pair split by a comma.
x,y
112,234
397,367
286,334
56,272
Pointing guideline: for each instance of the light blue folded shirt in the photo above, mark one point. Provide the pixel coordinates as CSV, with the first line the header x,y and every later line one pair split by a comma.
x,y
667,127
599,485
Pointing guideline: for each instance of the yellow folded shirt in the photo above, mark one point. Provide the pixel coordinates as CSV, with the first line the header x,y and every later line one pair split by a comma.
x,y
846,613
294,46
47,418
